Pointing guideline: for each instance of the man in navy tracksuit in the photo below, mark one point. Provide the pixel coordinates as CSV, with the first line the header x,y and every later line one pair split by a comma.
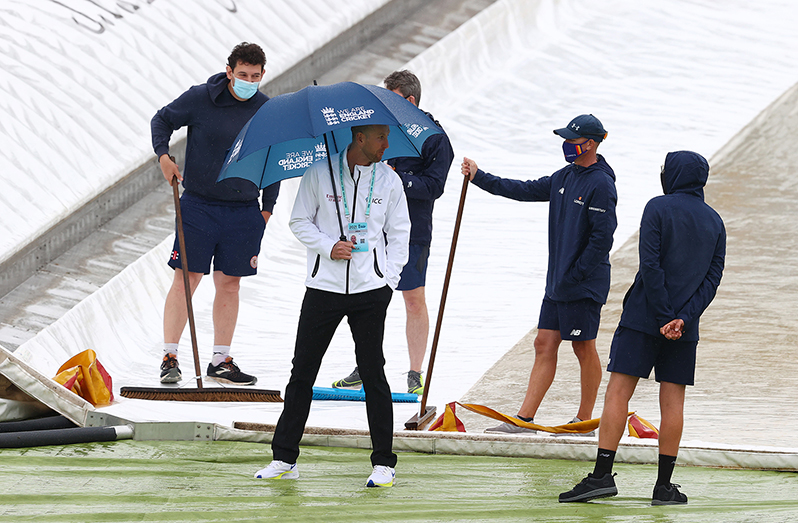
x,y
222,221
582,221
682,253
424,178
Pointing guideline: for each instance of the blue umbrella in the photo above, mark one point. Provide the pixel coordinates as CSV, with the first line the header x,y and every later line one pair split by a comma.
x,y
291,131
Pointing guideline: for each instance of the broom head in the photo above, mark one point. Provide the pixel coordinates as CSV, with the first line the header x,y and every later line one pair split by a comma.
x,y
219,394
419,421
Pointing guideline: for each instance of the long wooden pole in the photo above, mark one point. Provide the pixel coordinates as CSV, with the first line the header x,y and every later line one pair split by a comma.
x,y
433,351
186,283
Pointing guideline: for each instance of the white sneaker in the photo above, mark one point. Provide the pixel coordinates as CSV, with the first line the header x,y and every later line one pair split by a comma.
x,y
278,470
381,476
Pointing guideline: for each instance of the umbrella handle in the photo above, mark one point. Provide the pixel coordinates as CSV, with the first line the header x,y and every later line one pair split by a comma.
x,y
335,195
332,180
446,279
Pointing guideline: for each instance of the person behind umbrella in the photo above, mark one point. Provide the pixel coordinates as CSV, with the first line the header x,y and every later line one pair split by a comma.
x,y
346,279
424,179
682,248
222,221
582,221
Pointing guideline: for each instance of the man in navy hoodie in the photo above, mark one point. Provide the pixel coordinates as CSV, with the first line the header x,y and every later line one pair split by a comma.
x,y
222,221
582,221
682,253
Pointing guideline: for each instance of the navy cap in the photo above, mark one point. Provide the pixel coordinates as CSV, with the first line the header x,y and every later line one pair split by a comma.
x,y
583,126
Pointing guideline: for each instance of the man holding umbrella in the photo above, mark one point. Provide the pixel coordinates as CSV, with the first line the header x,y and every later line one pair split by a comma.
x,y
222,221
346,278
582,221
424,178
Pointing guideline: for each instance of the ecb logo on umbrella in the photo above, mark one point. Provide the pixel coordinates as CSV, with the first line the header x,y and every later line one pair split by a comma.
x,y
414,130
329,116
321,152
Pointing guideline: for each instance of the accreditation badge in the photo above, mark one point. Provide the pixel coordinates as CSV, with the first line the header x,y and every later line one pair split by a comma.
x,y
359,235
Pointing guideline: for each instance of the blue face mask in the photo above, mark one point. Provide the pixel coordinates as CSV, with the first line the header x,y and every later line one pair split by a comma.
x,y
245,90
573,151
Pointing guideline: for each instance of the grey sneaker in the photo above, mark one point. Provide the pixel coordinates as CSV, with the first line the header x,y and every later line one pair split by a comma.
x,y
170,372
591,488
507,428
590,434
352,381
415,383
228,372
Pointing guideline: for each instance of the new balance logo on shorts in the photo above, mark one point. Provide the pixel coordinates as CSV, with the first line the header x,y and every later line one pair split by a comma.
x,y
576,332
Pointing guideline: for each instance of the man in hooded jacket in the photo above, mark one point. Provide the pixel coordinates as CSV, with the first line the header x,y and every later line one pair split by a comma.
x,y
582,221
682,251
221,221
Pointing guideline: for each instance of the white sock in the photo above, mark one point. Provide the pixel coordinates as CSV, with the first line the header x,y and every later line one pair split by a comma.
x,y
220,353
170,348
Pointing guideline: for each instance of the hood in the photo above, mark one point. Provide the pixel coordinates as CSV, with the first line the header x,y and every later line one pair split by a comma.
x,y
217,85
684,172
601,165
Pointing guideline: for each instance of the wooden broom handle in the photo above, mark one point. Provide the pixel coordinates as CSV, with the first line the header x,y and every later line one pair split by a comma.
x,y
186,283
446,279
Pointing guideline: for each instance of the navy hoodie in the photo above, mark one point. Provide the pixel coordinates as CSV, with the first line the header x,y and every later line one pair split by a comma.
x,y
581,224
424,178
214,118
682,252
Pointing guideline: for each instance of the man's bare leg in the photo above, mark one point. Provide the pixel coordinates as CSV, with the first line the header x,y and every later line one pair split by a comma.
x,y
616,407
225,307
590,376
671,406
417,326
174,314
547,343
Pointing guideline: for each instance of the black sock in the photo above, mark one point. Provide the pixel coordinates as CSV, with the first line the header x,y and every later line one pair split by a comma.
x,y
523,418
665,470
604,460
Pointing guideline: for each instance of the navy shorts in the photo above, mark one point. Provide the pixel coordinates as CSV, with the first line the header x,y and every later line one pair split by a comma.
x,y
414,273
635,353
230,233
576,320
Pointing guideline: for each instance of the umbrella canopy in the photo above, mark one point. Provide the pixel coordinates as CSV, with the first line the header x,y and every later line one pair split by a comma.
x,y
287,133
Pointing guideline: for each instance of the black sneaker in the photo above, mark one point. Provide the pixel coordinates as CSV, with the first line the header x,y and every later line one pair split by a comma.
x,y
170,372
228,372
591,488
352,381
668,495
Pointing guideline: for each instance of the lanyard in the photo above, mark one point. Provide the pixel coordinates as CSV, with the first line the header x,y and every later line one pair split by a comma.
x,y
343,190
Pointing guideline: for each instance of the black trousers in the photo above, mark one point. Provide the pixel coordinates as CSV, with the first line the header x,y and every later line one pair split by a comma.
x,y
321,314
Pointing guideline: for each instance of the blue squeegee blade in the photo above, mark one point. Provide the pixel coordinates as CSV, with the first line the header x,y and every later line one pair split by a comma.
x,y
327,393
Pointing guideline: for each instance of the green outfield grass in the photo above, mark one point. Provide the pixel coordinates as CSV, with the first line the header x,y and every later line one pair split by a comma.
x,y
185,481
